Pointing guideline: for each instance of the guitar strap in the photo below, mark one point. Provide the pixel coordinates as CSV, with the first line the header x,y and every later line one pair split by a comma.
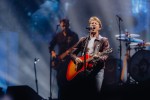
x,y
97,45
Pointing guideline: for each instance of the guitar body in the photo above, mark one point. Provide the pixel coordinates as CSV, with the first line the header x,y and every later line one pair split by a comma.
x,y
74,69
55,62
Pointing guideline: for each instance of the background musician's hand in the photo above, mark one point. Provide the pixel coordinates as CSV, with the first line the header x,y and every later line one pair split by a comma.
x,y
67,52
53,54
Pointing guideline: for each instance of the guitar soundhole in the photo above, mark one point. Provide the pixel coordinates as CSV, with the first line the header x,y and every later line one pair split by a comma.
x,y
89,67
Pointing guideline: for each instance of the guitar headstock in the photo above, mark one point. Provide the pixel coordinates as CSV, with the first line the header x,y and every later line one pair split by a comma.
x,y
107,51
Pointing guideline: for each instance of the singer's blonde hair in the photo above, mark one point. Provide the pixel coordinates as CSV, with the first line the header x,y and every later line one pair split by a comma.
x,y
95,19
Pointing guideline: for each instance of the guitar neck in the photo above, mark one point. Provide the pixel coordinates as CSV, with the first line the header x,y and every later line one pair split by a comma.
x,y
63,55
99,55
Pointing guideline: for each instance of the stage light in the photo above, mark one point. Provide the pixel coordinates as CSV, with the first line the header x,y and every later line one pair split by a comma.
x,y
139,6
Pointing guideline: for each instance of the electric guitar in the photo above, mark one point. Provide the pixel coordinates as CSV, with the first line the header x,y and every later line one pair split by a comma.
x,y
74,69
58,59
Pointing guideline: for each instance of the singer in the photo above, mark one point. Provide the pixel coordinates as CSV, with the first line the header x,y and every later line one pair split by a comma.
x,y
93,44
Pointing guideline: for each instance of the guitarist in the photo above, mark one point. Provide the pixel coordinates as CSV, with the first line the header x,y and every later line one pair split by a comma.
x,y
95,44
64,40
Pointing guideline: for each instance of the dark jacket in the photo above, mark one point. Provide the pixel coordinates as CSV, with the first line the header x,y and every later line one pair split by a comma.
x,y
63,42
102,41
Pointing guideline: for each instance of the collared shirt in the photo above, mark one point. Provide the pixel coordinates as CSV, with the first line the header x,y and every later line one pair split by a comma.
x,y
90,46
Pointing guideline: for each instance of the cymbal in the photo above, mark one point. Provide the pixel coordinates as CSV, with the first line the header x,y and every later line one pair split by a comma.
x,y
140,44
128,35
130,40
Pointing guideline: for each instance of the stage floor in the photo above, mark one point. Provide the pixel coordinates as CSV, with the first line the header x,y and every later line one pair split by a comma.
x,y
130,91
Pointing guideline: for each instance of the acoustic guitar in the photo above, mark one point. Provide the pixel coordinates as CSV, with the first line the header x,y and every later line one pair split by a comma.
x,y
74,69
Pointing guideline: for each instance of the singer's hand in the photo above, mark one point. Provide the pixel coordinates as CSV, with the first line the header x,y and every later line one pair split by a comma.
x,y
96,56
78,60
103,58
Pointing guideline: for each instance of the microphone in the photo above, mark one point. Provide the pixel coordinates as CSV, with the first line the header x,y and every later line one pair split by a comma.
x,y
90,28
36,60
119,17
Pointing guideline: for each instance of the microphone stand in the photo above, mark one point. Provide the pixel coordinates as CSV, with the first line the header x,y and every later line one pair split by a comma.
x,y
128,49
36,81
84,52
120,46
50,98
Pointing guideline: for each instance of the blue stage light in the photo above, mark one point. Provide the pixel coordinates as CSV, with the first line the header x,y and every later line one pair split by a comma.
x,y
139,6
